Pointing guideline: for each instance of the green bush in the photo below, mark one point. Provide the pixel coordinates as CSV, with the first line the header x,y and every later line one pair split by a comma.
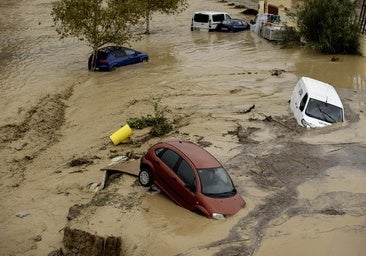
x,y
329,26
159,124
290,37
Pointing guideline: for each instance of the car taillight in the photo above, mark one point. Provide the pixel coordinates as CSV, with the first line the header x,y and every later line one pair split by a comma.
x,y
103,61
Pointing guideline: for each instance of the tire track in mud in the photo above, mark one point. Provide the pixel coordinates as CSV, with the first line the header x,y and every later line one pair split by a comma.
x,y
279,173
34,134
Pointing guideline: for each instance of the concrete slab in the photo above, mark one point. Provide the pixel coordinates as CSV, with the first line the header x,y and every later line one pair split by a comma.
x,y
130,167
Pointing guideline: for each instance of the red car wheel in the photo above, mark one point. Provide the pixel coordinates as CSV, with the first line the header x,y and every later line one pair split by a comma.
x,y
145,177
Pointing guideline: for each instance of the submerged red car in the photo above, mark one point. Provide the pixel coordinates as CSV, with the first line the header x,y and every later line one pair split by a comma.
x,y
191,177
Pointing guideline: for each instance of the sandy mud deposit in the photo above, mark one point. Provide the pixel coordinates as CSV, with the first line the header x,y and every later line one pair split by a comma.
x,y
305,189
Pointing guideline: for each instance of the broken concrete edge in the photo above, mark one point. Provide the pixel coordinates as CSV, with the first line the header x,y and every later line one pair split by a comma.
x,y
84,243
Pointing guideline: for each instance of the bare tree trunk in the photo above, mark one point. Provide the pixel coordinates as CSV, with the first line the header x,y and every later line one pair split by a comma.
x,y
93,63
147,21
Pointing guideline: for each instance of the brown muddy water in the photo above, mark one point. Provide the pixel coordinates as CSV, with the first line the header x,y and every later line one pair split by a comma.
x,y
305,189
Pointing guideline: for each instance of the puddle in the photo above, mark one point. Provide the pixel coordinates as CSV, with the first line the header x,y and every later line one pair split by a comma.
x,y
315,235
339,178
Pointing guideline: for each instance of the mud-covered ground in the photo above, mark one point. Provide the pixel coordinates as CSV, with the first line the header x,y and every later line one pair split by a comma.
x,y
305,189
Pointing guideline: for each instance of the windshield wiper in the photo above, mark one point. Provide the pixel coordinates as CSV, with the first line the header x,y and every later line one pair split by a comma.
x,y
223,194
326,114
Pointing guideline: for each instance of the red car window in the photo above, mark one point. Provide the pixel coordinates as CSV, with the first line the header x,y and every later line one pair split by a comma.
x,y
186,173
170,158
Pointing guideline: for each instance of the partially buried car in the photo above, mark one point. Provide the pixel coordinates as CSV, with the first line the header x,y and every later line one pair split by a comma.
x,y
110,57
315,103
232,25
191,177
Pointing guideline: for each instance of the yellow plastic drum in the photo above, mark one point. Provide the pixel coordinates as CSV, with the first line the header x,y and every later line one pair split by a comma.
x,y
122,135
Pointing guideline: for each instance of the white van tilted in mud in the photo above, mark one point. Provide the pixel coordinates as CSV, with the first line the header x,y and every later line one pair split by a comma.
x,y
207,20
315,103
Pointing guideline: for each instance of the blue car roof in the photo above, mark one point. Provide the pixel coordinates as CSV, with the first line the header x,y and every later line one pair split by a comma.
x,y
109,49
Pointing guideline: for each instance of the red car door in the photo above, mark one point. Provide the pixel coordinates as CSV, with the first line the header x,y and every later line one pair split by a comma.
x,y
186,184
166,179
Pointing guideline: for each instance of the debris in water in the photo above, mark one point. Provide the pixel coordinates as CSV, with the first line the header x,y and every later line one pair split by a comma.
x,y
80,161
245,111
22,214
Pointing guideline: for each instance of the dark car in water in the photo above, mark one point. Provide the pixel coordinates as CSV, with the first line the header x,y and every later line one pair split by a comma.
x,y
232,25
110,57
191,177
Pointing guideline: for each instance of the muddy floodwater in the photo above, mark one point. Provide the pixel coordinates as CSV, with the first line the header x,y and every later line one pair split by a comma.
x,y
305,188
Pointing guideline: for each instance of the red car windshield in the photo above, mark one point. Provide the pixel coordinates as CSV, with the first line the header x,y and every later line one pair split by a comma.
x,y
215,182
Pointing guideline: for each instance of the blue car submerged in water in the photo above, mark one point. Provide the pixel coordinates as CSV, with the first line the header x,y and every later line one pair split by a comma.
x,y
110,57
232,25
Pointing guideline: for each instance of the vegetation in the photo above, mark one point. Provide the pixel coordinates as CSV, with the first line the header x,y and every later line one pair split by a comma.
x,y
329,26
96,21
100,22
290,37
159,123
163,6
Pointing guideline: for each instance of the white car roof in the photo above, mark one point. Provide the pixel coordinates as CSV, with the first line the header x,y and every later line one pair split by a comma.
x,y
210,12
322,91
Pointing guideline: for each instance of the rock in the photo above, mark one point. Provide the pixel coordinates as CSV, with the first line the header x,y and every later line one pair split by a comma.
x,y
37,238
57,252
74,211
277,72
80,161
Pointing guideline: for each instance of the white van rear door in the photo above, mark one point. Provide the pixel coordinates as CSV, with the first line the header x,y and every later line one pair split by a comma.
x,y
200,21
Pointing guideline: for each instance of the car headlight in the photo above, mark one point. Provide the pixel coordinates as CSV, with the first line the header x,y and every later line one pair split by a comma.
x,y
304,123
218,216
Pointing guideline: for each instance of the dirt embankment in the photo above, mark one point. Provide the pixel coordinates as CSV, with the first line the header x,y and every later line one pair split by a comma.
x,y
22,142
